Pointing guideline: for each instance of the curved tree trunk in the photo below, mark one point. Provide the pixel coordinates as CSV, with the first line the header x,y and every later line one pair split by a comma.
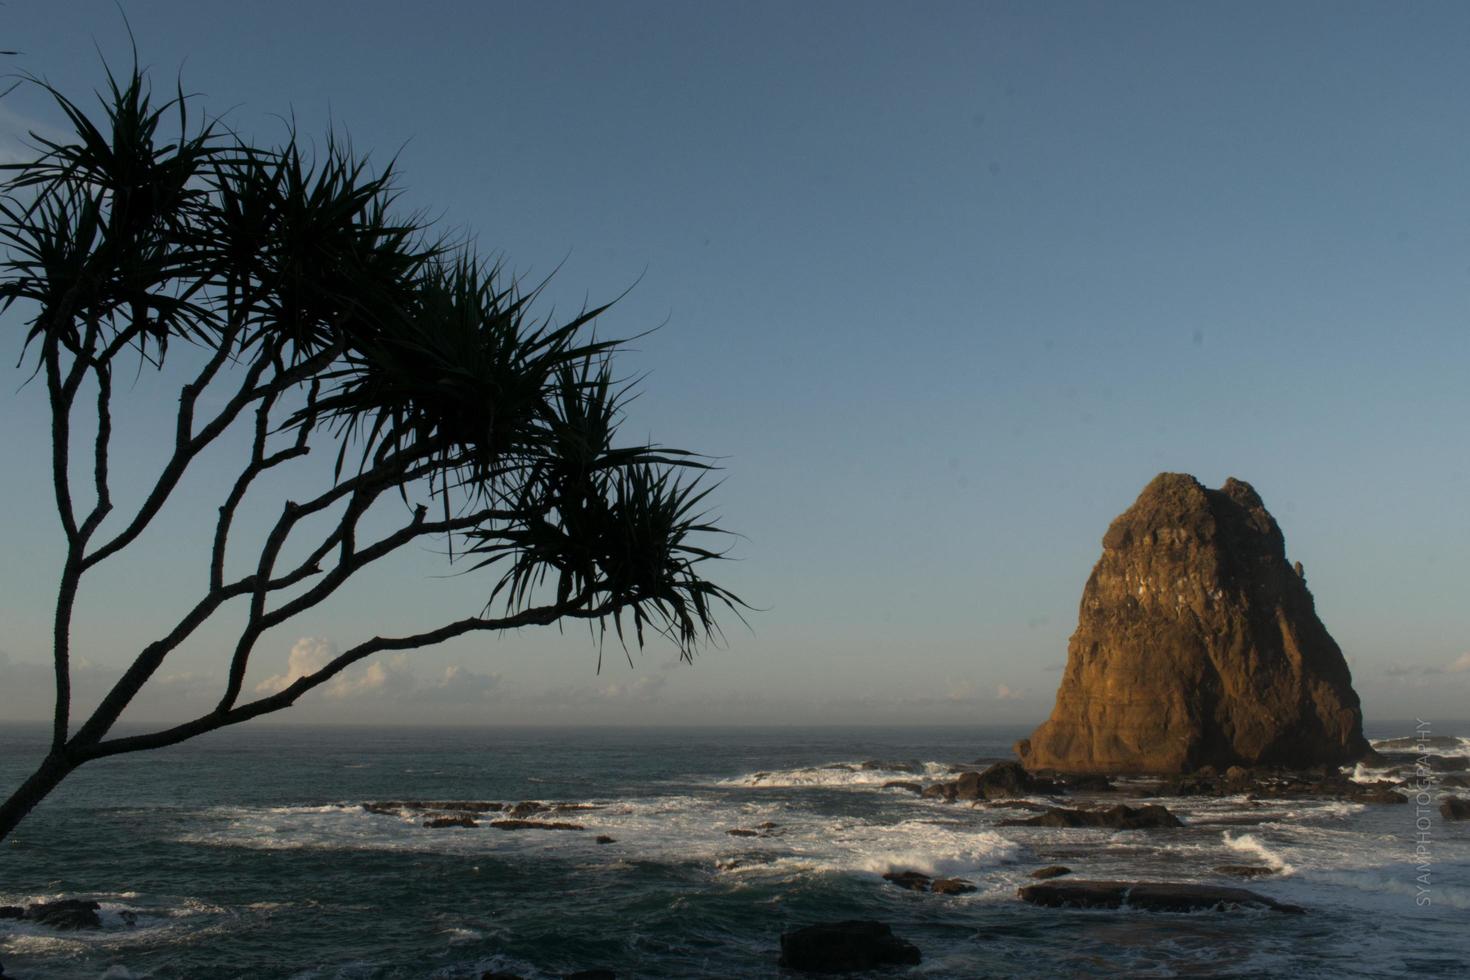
x,y
53,769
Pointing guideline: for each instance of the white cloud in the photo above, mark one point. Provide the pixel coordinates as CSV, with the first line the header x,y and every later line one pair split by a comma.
x,y
1005,693
1462,664
959,691
391,678
308,655
645,688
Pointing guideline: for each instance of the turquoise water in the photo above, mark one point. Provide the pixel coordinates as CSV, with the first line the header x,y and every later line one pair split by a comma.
x,y
248,854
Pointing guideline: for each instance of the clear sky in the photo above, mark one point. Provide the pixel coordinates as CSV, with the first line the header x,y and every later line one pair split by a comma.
x,y
944,284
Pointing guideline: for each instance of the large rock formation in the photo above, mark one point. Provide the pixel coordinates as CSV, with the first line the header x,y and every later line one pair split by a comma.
x,y
1197,644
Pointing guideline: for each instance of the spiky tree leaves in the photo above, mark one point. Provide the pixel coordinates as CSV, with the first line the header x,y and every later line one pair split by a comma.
x,y
317,314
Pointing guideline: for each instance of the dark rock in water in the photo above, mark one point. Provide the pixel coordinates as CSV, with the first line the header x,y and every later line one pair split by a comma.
x,y
1086,782
604,839
497,975
901,784
1198,644
1153,896
1244,870
940,791
394,807
1051,871
845,947
68,913
878,764
917,881
11,912
1379,795
535,825
1118,817
464,821
1454,808
590,975
1003,780
914,881
525,808
1458,782
388,809
767,825
951,886
742,832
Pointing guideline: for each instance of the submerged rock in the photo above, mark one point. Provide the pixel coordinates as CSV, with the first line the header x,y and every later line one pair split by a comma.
x,y
1153,896
1198,644
845,947
605,839
1120,817
1454,808
903,784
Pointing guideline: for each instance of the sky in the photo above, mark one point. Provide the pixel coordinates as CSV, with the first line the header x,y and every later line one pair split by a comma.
x,y
942,285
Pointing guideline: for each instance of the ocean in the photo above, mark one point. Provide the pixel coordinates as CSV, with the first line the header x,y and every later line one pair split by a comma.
x,y
249,853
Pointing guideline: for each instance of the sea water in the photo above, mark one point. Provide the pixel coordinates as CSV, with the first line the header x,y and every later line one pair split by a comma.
x,y
248,853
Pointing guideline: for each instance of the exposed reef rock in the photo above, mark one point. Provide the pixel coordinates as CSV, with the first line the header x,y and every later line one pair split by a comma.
x,y
1197,644
1164,896
1120,817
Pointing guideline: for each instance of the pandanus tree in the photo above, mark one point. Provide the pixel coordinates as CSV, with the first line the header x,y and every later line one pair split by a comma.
x,y
306,313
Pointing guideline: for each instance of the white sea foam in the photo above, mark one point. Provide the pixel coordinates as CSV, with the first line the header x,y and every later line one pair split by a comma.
x,y
842,774
1252,845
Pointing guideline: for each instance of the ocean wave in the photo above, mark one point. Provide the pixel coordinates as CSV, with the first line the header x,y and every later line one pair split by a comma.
x,y
1445,745
862,775
1252,845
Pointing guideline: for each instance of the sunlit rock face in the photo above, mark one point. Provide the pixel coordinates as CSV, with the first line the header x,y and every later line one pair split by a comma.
x,y
1198,644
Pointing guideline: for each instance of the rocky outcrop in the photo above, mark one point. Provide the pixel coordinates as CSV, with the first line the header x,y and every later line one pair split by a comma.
x,y
1198,644
1454,808
845,947
1153,896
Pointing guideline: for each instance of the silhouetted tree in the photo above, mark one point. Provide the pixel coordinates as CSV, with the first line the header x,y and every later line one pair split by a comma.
x,y
312,314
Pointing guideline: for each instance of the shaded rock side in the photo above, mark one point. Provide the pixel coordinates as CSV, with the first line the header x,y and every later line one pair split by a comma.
x,y
1198,644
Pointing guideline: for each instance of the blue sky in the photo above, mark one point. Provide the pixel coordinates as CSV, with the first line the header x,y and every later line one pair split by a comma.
x,y
945,285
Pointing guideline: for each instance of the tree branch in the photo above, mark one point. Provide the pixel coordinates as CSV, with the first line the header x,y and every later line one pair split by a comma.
x,y
221,717
188,445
